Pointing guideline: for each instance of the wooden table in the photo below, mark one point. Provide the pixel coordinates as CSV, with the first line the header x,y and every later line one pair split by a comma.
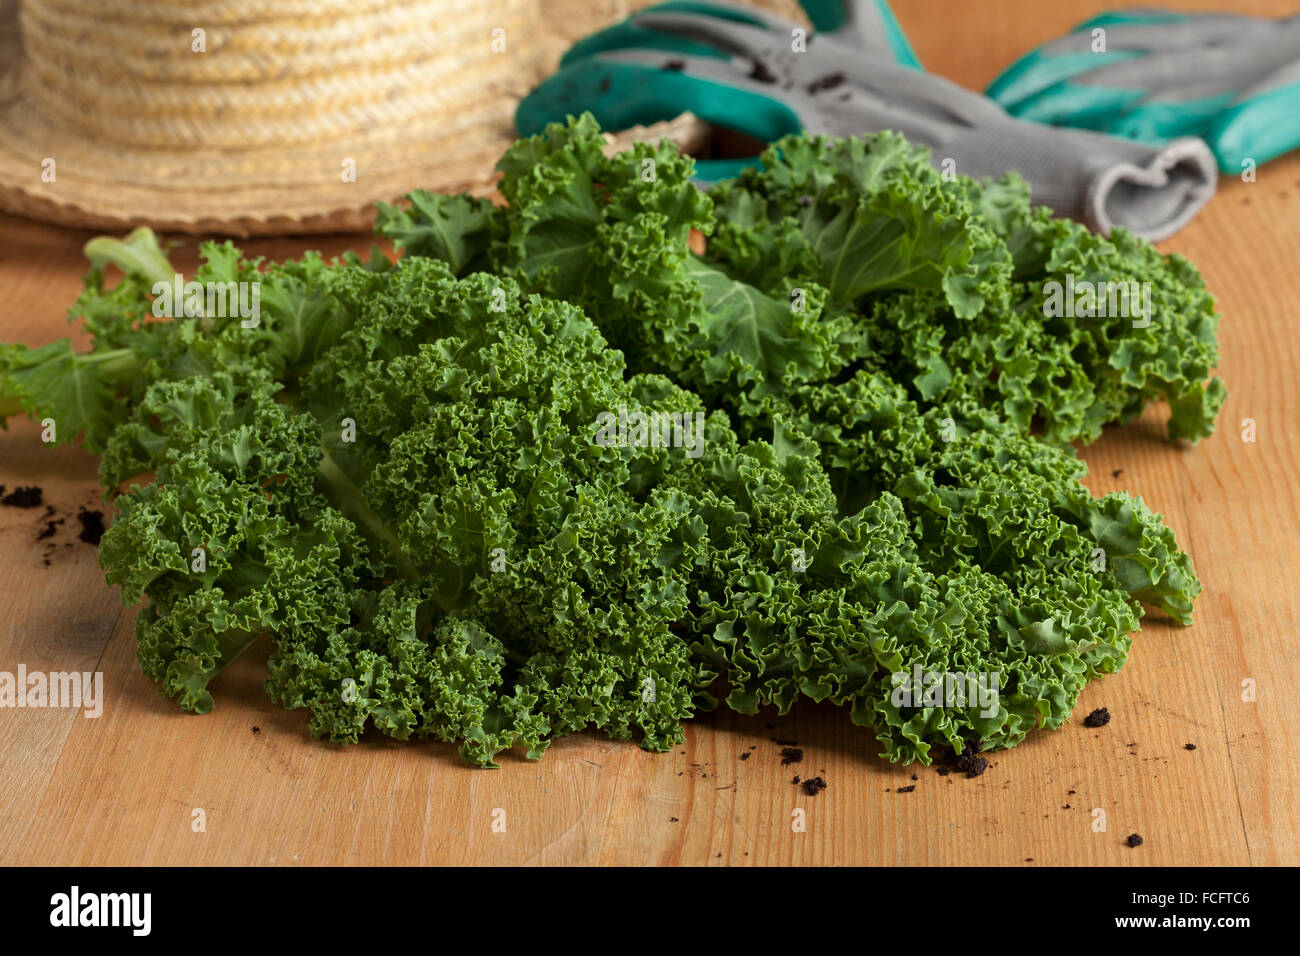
x,y
125,788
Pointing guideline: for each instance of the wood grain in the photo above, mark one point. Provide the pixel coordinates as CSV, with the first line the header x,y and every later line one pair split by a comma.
x,y
122,789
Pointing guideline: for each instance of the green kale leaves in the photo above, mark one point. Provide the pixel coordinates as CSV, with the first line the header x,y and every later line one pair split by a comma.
x,y
556,469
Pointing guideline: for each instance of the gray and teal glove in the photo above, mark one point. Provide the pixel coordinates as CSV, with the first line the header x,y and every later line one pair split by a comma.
x,y
747,71
1152,75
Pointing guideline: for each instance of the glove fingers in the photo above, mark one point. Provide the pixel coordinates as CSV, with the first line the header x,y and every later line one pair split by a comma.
x,y
876,94
867,25
1072,104
1034,74
639,87
1125,31
926,96
1218,69
1149,99
855,113
631,35
1164,32
863,27
739,39
726,10
1285,75
719,92
1262,124
1145,56
1160,96
1157,120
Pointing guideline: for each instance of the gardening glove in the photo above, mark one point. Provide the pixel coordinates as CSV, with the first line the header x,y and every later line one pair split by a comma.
x,y
868,25
740,70
1152,75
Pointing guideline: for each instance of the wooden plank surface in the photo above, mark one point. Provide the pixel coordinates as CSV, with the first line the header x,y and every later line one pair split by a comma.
x,y
124,788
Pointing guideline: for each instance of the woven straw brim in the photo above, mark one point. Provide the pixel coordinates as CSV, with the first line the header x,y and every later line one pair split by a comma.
x,y
262,159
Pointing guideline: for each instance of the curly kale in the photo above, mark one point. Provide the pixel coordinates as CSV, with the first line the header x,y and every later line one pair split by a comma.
x,y
403,474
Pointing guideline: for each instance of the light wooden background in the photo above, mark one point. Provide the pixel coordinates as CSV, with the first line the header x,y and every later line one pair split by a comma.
x,y
122,789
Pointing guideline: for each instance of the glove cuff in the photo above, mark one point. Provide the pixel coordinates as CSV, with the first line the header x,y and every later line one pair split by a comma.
x,y
1103,181
1155,198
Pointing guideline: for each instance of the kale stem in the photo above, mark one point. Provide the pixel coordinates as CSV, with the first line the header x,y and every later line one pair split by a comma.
x,y
118,366
136,254
348,498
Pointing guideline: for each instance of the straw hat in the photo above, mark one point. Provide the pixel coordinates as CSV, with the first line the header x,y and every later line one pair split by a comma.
x,y
266,116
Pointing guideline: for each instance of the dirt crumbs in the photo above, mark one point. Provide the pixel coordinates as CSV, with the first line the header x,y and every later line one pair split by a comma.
x,y
1098,718
50,527
92,526
791,755
1134,839
30,497
969,762
972,765
828,82
53,519
759,71
812,786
